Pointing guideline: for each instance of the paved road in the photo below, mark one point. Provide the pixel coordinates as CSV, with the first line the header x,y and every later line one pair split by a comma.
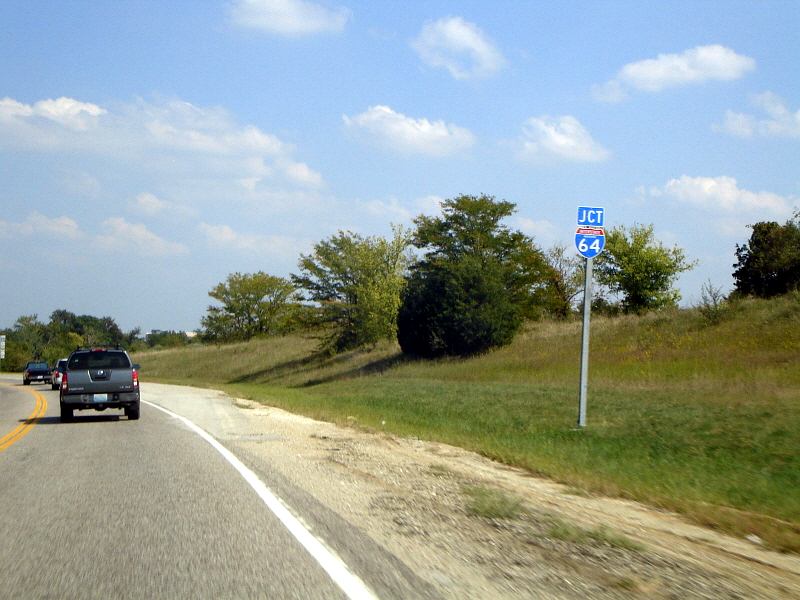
x,y
110,508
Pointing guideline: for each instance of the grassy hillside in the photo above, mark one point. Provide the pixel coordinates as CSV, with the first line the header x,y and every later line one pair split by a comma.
x,y
699,418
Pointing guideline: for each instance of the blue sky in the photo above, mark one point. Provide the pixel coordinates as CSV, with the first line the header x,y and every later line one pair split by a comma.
x,y
148,149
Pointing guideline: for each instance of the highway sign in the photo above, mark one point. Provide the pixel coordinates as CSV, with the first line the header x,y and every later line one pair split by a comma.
x,y
590,241
591,216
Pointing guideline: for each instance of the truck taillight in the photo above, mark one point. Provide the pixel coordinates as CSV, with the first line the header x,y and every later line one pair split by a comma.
x,y
135,378
64,381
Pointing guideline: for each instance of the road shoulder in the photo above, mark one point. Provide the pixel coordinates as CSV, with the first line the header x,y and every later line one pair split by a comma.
x,y
420,501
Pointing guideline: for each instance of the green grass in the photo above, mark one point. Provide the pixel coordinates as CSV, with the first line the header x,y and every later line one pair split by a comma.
x,y
700,419
491,503
568,532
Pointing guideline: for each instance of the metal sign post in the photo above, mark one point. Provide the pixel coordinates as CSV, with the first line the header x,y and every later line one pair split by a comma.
x,y
587,310
590,239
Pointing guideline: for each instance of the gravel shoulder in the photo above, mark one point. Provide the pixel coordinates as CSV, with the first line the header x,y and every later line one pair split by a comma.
x,y
474,528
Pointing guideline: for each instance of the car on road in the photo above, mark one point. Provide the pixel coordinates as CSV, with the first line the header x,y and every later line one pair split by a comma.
x,y
97,379
36,371
58,371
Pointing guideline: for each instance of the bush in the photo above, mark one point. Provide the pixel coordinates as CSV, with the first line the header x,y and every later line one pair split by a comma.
x,y
713,304
457,309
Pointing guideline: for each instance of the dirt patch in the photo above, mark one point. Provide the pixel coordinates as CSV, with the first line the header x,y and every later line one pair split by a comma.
x,y
474,528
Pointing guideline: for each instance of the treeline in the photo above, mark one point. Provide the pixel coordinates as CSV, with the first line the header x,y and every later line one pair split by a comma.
x,y
29,338
455,284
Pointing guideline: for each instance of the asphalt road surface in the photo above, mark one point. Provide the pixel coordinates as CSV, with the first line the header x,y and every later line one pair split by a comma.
x,y
104,507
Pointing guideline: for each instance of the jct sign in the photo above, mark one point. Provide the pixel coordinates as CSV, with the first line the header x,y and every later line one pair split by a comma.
x,y
591,216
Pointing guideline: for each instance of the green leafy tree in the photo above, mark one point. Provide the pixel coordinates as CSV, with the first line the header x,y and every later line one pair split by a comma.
x,y
769,263
475,283
166,339
357,282
30,335
640,269
252,304
94,331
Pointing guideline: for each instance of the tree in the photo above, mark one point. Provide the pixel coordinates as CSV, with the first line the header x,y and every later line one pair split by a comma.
x,y
252,305
640,269
29,333
357,283
475,283
93,331
769,263
565,280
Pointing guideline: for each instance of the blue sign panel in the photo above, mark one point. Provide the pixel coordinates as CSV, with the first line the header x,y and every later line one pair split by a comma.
x,y
591,216
590,241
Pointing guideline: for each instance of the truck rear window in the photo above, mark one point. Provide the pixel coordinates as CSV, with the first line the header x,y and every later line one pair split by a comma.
x,y
99,360
42,366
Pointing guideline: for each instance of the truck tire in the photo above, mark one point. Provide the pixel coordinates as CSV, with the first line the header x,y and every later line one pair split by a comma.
x,y
132,413
66,414
25,382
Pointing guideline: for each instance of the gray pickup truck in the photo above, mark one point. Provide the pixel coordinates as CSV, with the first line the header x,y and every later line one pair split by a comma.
x,y
97,379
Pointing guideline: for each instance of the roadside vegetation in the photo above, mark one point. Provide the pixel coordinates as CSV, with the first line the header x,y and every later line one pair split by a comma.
x,y
686,414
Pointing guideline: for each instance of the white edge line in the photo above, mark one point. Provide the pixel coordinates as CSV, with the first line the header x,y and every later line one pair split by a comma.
x,y
334,566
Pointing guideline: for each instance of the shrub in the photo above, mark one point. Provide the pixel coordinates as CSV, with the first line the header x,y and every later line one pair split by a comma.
x,y
456,309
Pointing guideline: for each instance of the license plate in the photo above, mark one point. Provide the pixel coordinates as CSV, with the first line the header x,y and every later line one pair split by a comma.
x,y
39,376
100,398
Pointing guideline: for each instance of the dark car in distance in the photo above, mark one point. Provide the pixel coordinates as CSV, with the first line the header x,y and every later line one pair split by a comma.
x,y
36,371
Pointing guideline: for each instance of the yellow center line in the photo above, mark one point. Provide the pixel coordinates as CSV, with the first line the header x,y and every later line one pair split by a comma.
x,y
21,430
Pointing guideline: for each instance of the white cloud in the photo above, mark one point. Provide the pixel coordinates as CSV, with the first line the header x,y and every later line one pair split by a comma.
x,y
408,135
391,210
182,126
543,231
562,138
458,46
395,211
738,124
125,237
172,137
429,205
301,173
780,121
39,224
149,204
723,194
68,112
265,245
289,17
696,65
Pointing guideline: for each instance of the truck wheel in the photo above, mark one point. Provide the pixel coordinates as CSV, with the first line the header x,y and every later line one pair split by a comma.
x,y
25,382
53,386
132,413
66,414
